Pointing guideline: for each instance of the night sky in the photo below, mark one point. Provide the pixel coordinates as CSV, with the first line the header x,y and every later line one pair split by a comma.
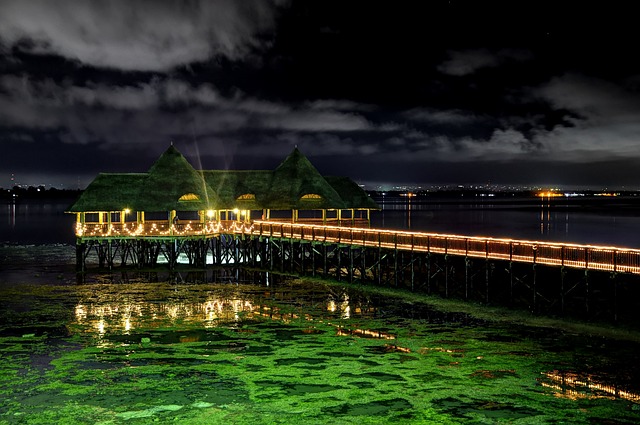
x,y
395,92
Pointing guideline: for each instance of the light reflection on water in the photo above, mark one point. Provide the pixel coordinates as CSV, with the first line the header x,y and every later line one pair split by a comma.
x,y
574,385
110,316
573,220
127,316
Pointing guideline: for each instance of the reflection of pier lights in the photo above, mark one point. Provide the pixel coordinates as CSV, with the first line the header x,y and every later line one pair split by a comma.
x,y
128,316
343,307
409,195
574,386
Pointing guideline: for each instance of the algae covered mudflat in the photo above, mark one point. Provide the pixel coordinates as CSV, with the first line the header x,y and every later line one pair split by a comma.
x,y
141,349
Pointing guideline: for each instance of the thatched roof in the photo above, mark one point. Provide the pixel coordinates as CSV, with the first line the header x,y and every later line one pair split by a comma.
x,y
352,195
173,184
171,178
297,184
247,190
109,192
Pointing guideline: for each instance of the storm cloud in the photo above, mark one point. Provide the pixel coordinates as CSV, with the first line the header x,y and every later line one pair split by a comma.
x,y
363,87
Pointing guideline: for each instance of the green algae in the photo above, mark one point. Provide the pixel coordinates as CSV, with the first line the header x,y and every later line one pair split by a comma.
x,y
281,363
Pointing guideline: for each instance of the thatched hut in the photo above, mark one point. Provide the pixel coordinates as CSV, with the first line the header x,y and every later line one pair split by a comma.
x,y
173,191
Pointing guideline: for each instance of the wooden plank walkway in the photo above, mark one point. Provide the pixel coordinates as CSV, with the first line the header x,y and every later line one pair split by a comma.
x,y
587,257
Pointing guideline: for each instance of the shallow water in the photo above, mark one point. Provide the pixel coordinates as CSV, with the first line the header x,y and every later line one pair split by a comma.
x,y
236,347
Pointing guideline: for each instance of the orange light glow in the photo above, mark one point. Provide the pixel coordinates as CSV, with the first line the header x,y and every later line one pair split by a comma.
x,y
548,194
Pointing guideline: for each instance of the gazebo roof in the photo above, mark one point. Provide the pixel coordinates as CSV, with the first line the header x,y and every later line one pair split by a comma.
x,y
297,184
247,190
351,194
109,192
173,184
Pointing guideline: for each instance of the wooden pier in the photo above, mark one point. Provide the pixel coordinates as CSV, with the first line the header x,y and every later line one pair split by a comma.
x,y
544,277
585,257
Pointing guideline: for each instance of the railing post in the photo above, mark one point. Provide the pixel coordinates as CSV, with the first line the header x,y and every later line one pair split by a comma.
x,y
586,258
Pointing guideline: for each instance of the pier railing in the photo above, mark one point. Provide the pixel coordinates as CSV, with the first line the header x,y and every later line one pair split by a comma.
x,y
588,257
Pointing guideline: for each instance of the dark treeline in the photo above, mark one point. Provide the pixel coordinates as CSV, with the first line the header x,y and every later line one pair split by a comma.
x,y
37,192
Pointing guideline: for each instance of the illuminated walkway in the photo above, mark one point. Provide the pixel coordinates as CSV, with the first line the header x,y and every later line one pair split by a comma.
x,y
587,257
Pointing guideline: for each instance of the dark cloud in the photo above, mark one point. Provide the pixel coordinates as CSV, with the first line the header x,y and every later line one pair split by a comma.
x,y
533,92
140,35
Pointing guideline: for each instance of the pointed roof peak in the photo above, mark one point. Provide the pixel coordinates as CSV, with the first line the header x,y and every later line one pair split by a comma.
x,y
171,150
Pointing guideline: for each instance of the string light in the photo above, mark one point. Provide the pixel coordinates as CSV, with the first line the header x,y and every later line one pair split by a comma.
x,y
604,258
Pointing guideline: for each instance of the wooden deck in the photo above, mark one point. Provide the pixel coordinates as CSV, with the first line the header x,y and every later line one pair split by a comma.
x,y
587,257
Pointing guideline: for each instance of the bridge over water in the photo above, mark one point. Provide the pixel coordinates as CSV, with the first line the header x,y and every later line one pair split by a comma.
x,y
595,281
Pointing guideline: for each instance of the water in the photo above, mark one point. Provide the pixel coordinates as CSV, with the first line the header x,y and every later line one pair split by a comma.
x,y
232,346
583,220
36,222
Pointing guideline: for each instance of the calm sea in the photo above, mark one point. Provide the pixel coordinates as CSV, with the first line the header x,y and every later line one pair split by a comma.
x,y
584,220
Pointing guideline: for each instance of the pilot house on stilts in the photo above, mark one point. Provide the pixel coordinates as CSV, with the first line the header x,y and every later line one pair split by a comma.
x,y
174,209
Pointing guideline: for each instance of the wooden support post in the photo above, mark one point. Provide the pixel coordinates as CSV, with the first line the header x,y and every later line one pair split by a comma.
x,y
562,292
325,270
535,290
446,275
339,264
428,273
312,252
586,290
413,275
466,277
615,295
109,255
80,255
511,282
487,266
350,264
586,279
282,249
303,248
